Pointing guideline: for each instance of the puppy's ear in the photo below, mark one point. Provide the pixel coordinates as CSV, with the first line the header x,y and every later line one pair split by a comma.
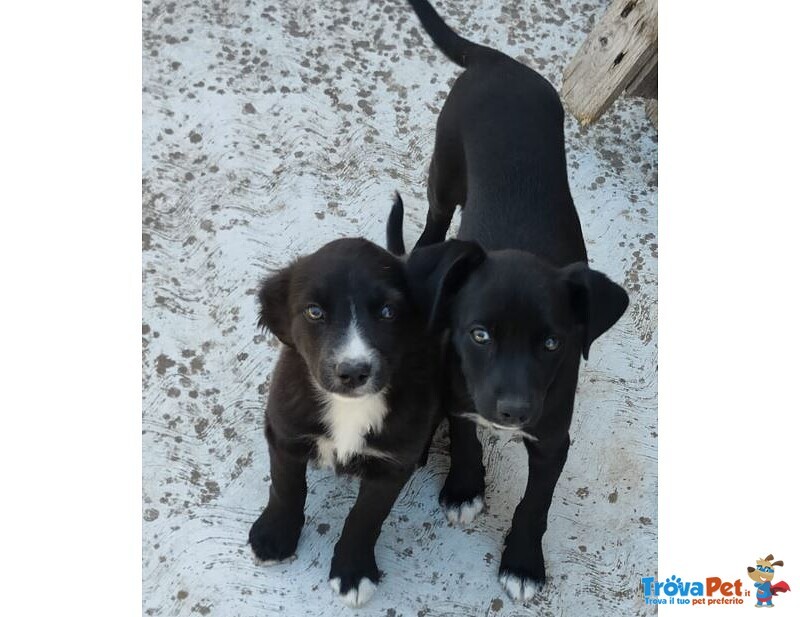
x,y
437,272
777,563
596,301
273,298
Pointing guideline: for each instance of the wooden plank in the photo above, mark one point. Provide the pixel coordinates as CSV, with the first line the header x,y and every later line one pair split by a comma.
x,y
622,43
651,109
645,84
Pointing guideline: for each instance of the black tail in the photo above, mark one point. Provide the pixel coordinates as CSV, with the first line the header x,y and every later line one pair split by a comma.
x,y
458,49
394,228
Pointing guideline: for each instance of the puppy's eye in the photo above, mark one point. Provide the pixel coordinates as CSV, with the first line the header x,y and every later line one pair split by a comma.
x,y
314,312
480,335
387,312
551,343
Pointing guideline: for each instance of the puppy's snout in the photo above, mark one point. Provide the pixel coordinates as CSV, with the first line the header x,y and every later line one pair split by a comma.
x,y
513,412
353,374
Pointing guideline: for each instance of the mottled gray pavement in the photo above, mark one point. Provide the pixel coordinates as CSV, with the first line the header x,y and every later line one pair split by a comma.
x,y
273,127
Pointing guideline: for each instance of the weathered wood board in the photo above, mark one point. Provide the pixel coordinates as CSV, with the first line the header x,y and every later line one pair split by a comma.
x,y
271,128
621,52
651,108
645,84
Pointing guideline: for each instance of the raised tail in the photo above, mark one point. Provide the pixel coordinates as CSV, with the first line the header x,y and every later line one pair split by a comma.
x,y
458,49
394,228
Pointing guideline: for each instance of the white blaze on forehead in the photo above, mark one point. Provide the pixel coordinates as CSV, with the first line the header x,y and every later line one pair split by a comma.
x,y
354,347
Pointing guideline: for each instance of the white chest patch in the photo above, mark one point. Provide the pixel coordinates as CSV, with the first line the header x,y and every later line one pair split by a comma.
x,y
348,422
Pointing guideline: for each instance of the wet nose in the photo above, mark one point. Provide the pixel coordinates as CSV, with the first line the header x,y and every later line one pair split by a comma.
x,y
353,373
513,412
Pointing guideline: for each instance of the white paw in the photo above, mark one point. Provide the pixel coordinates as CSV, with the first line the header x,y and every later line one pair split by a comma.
x,y
357,596
519,589
272,562
465,513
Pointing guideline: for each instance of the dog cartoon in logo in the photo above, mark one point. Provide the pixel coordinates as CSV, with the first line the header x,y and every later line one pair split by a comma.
x,y
763,574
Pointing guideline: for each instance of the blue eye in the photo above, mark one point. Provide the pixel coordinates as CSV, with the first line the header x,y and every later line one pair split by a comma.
x,y
314,312
387,312
551,343
480,335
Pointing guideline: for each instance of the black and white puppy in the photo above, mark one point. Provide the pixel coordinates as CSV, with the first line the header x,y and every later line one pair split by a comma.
x,y
513,294
352,389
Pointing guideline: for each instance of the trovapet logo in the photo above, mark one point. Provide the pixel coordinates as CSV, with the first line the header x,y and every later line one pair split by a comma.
x,y
715,590
676,591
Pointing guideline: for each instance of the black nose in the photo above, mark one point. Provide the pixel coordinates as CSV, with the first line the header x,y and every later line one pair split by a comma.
x,y
353,374
514,412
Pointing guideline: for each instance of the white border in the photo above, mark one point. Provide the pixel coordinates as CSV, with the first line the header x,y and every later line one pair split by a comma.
x,y
728,332
71,309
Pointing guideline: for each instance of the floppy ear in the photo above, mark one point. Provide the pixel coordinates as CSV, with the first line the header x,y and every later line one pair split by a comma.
x,y
273,297
777,563
437,272
596,301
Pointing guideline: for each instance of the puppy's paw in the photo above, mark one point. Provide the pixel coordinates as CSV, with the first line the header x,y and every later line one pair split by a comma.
x,y
354,593
354,574
271,562
522,571
465,512
520,587
273,541
462,495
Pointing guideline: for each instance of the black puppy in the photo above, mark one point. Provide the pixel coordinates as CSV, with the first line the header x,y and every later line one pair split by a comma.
x,y
514,294
351,389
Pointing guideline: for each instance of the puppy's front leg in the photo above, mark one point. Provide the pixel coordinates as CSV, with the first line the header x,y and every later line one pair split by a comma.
x,y
463,490
354,574
522,569
274,536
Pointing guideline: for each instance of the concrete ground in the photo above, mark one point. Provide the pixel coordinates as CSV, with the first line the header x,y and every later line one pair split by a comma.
x,y
273,127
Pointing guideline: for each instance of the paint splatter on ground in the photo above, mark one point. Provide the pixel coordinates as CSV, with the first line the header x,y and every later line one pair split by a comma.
x,y
273,127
